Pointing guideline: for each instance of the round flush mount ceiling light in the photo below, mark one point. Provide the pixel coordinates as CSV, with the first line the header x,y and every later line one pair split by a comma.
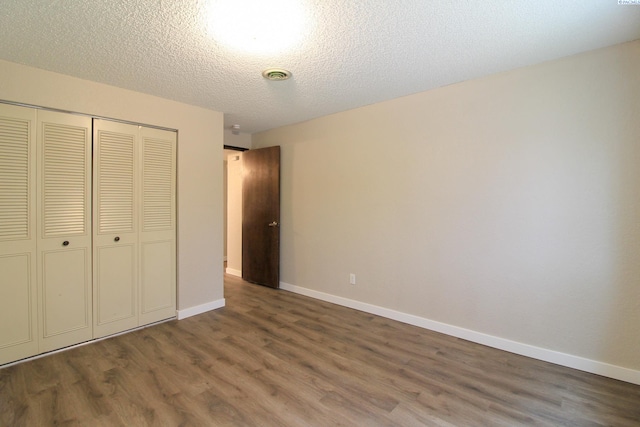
x,y
276,74
257,27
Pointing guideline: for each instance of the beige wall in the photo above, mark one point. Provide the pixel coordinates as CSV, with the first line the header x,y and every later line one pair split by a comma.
x,y
508,206
241,140
200,163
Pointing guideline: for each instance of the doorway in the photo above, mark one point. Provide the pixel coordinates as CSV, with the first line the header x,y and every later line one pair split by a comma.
x,y
233,209
252,215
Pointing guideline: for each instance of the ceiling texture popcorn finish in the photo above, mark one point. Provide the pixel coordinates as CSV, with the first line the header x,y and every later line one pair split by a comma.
x,y
346,55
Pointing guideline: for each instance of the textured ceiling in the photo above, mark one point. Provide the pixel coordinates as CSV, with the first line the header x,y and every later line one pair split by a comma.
x,y
351,53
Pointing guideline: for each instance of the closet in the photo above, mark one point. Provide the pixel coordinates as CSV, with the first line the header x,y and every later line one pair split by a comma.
x,y
87,229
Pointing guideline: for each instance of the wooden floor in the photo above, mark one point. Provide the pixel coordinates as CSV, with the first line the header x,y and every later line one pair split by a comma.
x,y
273,358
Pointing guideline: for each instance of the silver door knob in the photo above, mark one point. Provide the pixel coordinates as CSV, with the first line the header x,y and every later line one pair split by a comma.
x,y
273,224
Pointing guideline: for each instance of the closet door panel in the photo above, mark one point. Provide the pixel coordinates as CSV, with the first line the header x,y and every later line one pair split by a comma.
x,y
66,298
64,229
116,293
18,300
115,241
18,338
157,228
158,288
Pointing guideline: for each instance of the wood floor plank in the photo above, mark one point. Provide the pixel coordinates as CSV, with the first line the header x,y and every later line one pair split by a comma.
x,y
274,358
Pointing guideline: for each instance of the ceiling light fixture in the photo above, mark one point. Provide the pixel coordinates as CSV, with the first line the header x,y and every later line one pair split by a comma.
x,y
257,27
276,74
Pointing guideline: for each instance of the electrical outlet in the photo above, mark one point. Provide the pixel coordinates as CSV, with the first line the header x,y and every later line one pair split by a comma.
x,y
352,279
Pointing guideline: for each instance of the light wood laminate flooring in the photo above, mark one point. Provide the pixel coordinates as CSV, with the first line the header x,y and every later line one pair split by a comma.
x,y
274,358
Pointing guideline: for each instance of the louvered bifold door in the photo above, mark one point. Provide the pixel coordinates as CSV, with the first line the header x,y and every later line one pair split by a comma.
x,y
64,229
115,217
18,301
158,226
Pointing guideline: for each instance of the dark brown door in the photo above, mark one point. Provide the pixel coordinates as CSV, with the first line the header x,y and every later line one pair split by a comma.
x,y
261,216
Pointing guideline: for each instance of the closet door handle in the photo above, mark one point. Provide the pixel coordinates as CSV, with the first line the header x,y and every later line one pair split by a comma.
x,y
65,243
116,239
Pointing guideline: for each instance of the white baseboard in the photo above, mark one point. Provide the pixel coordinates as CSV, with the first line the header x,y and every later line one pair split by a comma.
x,y
558,358
233,272
199,309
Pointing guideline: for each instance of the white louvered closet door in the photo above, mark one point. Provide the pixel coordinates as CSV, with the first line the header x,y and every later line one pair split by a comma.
x,y
115,196
18,301
158,226
64,229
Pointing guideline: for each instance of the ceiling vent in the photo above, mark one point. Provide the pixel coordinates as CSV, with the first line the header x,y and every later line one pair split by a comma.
x,y
276,74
